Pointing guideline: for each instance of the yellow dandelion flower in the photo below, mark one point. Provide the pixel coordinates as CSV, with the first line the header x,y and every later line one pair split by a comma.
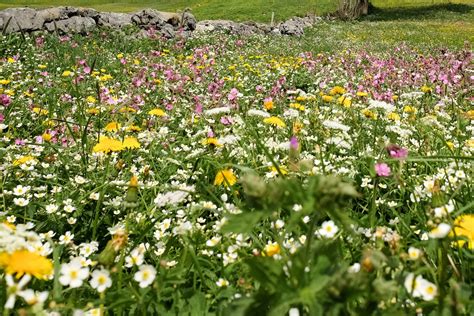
x,y
120,55
212,141
4,81
225,177
157,112
11,60
40,111
361,94
345,101
23,160
297,106
327,98
107,144
369,114
66,73
91,99
268,105
127,109
41,66
426,89
134,128
337,90
104,78
470,114
275,121
93,111
409,109
23,262
112,127
393,116
130,143
464,227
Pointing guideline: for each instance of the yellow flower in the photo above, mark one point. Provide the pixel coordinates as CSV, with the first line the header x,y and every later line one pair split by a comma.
x,y
91,99
361,94
426,89
369,114
337,90
271,249
40,111
225,177
106,145
464,227
23,160
11,60
470,114
470,143
112,127
157,112
46,137
394,97
23,262
130,143
127,109
275,121
274,170
268,105
393,116
120,55
409,109
4,81
212,141
297,106
42,66
133,128
106,77
345,101
66,73
450,145
327,98
93,111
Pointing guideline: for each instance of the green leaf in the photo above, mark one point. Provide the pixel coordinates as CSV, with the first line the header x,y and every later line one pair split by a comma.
x,y
242,223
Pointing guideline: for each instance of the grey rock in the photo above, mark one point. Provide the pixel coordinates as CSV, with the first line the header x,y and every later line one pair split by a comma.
x,y
17,19
188,21
148,17
168,31
114,20
75,24
292,27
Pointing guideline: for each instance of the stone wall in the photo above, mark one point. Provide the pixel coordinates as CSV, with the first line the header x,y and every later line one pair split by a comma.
x,y
67,20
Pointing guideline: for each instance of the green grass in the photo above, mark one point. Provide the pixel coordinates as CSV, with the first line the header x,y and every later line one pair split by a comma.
x,y
239,10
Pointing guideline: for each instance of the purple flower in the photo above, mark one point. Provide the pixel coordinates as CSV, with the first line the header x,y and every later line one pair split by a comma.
x,y
382,169
234,93
397,152
5,99
294,143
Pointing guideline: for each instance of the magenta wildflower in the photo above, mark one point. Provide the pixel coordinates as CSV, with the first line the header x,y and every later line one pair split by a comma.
x,y
294,143
382,169
397,152
4,100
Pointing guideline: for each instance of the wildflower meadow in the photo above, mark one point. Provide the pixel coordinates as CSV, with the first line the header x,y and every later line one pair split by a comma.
x,y
234,175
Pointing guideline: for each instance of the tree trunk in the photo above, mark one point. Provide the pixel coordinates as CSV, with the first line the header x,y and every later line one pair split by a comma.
x,y
353,9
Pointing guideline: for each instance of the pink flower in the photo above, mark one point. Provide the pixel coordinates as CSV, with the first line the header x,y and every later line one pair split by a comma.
x,y
382,169
397,152
234,93
4,100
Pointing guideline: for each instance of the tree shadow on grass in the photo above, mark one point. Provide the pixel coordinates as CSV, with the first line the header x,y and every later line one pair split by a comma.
x,y
449,11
